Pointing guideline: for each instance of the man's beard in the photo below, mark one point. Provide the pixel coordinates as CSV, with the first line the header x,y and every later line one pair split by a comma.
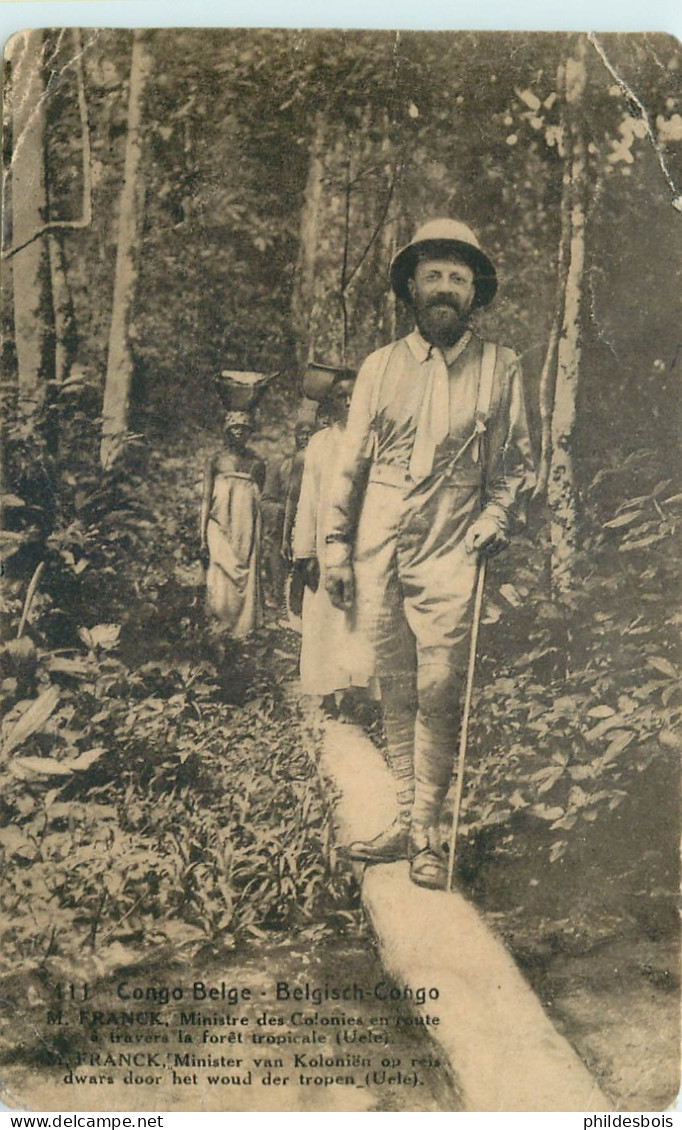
x,y
441,320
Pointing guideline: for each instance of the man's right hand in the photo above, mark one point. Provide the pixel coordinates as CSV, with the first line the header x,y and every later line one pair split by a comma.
x,y
340,585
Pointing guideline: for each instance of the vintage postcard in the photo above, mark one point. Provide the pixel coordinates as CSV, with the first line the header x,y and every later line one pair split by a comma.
x,y
341,493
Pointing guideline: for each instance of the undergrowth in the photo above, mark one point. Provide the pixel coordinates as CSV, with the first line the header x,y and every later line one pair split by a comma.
x,y
158,794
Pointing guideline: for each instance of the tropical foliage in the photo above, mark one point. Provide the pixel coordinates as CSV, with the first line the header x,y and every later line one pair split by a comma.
x,y
158,796
155,792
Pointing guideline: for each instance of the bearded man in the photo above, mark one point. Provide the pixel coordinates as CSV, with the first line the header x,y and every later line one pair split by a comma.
x,y
436,453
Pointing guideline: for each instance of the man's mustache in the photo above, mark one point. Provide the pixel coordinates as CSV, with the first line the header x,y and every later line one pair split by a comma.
x,y
444,300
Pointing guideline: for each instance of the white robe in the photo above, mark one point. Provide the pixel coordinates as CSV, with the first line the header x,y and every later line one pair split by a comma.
x,y
332,654
233,593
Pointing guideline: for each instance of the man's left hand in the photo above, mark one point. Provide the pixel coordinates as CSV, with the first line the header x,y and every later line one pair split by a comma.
x,y
484,536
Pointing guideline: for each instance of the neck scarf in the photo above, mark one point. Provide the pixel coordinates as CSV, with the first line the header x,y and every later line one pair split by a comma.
x,y
433,421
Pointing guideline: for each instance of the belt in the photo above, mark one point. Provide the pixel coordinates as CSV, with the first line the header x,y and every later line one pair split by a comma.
x,y
454,475
391,475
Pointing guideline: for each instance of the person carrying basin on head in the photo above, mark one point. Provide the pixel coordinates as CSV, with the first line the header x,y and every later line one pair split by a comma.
x,y
230,522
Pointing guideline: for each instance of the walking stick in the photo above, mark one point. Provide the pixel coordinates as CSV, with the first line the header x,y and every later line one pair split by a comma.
x,y
464,732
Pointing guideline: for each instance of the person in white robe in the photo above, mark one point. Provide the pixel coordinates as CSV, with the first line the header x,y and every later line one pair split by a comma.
x,y
230,532
332,654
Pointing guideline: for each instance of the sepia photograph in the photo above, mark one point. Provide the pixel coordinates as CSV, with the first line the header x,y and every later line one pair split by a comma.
x,y
340,667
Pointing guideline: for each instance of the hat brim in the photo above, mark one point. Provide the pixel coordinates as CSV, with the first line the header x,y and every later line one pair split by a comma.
x,y
403,265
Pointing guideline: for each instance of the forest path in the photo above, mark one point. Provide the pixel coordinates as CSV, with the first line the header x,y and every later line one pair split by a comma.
x,y
503,1049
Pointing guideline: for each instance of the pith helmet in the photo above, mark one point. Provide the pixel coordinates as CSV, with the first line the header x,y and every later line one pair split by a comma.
x,y
443,236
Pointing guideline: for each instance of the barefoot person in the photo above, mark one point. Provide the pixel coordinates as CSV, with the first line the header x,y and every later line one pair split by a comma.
x,y
435,454
282,486
302,434
230,530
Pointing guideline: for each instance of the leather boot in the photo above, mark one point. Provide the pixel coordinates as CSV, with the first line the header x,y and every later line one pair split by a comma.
x,y
389,845
428,864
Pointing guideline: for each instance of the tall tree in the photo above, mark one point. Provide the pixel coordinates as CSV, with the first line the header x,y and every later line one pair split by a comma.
x,y
309,229
346,233
33,317
68,162
120,356
561,493
582,181
66,343
548,374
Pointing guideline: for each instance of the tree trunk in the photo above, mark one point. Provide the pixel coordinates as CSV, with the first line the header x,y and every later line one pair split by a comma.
x,y
548,374
340,308
66,342
33,317
120,357
387,250
561,494
304,293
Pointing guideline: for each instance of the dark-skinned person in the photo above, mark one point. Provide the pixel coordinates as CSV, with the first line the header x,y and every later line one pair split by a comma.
x,y
276,493
436,456
230,530
292,495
